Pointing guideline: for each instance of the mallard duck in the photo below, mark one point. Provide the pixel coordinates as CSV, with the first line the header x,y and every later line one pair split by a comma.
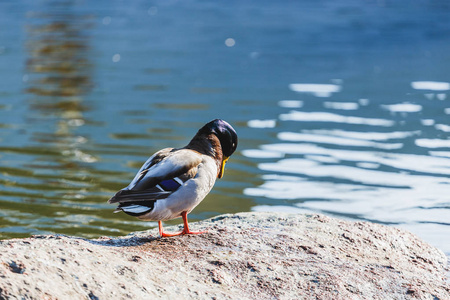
x,y
173,181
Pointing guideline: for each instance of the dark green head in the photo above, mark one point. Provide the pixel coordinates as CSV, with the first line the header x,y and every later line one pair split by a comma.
x,y
225,133
227,137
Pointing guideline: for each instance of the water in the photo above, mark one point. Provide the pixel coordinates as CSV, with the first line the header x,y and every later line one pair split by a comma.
x,y
341,108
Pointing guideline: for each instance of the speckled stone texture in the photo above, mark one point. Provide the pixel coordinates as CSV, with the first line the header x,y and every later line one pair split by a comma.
x,y
243,256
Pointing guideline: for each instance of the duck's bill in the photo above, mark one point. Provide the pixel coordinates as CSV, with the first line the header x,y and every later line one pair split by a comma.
x,y
222,167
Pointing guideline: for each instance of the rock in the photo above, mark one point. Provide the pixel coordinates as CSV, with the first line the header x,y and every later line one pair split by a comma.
x,y
243,256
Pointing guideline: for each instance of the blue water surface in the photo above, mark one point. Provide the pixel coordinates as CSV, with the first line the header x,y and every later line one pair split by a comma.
x,y
342,108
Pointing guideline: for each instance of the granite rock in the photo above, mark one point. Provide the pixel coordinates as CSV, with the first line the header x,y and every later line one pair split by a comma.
x,y
242,256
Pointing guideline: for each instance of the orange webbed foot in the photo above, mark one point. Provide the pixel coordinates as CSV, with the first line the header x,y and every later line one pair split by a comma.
x,y
193,232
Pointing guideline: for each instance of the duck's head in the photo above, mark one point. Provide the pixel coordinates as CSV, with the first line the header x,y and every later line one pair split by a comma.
x,y
227,137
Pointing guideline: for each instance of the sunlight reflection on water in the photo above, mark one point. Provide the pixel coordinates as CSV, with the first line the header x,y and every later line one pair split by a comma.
x,y
350,173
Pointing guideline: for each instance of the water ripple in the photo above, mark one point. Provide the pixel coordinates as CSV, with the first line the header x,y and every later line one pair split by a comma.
x,y
300,116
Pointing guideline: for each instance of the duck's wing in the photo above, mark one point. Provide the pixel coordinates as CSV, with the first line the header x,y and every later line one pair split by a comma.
x,y
160,176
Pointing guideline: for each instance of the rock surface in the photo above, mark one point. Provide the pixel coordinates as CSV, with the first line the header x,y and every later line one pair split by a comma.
x,y
243,256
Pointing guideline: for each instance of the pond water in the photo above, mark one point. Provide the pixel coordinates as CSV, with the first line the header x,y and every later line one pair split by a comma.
x,y
341,107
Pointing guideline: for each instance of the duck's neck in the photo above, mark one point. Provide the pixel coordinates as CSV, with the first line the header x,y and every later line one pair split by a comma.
x,y
207,144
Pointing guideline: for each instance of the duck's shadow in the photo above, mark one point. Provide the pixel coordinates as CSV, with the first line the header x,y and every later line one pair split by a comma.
x,y
137,240
131,241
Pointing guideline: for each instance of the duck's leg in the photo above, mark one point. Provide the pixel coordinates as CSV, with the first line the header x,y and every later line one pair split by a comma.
x,y
186,225
185,230
162,234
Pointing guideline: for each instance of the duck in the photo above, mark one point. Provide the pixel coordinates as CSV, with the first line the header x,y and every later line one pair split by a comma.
x,y
173,181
